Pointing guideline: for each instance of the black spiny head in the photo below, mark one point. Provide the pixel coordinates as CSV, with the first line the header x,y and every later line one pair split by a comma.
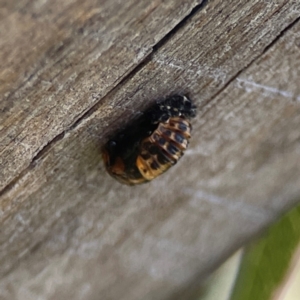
x,y
173,106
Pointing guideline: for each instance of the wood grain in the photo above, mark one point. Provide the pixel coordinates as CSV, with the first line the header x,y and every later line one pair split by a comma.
x,y
69,231
55,57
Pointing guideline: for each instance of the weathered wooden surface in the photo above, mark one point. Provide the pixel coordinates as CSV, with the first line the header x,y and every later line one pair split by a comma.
x,y
56,55
70,231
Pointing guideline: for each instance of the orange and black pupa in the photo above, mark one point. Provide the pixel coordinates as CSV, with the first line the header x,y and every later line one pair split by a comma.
x,y
152,143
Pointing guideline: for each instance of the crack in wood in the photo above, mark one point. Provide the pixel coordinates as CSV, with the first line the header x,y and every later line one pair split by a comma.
x,y
280,35
127,77
148,58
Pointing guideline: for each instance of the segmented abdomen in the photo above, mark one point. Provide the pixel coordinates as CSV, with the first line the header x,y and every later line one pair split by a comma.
x,y
164,147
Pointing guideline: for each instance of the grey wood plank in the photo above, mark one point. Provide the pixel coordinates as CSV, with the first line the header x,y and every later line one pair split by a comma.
x,y
71,231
